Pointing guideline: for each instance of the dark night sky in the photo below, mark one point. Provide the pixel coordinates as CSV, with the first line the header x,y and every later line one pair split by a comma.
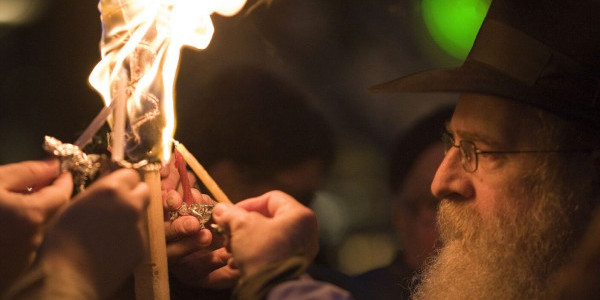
x,y
43,87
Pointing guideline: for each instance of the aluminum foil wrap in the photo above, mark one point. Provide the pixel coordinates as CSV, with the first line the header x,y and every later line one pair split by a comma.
x,y
201,211
83,167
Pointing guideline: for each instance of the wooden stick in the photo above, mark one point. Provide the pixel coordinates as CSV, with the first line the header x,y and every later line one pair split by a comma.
x,y
202,174
98,121
152,276
119,116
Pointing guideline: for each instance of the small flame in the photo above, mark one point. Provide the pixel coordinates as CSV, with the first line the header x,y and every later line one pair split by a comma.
x,y
141,43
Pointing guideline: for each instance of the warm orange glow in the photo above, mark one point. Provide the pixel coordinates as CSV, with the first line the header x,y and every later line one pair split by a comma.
x,y
141,43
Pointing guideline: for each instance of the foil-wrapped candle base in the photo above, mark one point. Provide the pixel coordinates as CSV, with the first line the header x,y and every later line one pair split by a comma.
x,y
202,212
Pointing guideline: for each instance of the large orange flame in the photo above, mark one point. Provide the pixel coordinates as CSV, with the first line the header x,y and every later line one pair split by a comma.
x,y
140,47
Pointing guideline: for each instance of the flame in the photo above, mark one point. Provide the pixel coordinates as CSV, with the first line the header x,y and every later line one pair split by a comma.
x,y
140,47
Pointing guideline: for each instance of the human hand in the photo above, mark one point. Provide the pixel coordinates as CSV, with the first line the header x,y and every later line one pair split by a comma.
x,y
23,214
267,229
98,237
207,269
196,257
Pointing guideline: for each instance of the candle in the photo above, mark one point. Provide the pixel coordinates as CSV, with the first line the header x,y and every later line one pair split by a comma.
x,y
202,174
120,114
98,121
151,276
185,181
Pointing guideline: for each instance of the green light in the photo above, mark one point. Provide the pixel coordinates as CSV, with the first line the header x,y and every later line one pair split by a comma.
x,y
453,24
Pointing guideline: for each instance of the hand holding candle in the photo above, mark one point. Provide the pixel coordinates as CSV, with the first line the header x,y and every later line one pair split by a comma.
x,y
195,255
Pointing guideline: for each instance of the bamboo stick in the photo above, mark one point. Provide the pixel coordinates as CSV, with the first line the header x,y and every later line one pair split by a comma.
x,y
152,276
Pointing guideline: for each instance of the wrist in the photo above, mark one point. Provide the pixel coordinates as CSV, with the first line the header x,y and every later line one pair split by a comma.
x,y
258,284
51,279
66,275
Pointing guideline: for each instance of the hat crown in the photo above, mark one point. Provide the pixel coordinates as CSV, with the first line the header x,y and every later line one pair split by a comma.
x,y
550,48
571,27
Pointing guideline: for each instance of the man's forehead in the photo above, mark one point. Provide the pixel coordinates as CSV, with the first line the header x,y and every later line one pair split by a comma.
x,y
493,120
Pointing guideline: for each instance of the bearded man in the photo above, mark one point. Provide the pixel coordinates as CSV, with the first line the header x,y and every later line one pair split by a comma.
x,y
511,206
520,178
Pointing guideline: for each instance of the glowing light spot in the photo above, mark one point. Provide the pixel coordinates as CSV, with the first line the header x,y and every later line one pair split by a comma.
x,y
453,24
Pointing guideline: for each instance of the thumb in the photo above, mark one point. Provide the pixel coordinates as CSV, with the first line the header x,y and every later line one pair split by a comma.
x,y
51,197
223,214
29,173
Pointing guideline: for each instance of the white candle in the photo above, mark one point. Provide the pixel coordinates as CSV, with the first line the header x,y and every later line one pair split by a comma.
x,y
202,174
120,114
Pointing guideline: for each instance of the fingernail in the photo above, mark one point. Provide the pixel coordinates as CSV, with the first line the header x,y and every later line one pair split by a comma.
x,y
206,198
189,225
171,201
218,209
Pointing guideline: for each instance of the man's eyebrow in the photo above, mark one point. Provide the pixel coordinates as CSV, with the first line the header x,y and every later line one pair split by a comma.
x,y
472,136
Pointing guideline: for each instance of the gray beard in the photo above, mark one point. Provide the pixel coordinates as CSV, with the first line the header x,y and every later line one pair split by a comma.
x,y
510,255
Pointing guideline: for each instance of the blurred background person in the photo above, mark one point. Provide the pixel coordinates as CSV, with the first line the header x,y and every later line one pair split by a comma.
x,y
254,132
413,163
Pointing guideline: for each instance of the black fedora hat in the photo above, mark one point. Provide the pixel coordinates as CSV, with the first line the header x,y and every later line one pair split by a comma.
x,y
544,53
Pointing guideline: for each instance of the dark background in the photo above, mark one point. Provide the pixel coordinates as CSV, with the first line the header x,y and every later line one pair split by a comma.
x,y
334,49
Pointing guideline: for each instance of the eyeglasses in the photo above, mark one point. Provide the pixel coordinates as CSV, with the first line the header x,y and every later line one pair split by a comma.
x,y
469,152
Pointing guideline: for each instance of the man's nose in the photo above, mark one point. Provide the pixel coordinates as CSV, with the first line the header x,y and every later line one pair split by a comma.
x,y
451,181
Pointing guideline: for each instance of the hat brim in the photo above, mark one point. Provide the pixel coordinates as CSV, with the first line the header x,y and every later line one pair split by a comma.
x,y
471,77
476,77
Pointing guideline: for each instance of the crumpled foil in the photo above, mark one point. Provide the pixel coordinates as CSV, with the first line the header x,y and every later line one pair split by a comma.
x,y
201,211
82,166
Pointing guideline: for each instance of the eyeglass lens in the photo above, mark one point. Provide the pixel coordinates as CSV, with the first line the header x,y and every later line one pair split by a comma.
x,y
468,152
469,156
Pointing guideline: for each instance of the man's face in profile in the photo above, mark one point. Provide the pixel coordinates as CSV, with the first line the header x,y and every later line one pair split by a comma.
x,y
507,225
